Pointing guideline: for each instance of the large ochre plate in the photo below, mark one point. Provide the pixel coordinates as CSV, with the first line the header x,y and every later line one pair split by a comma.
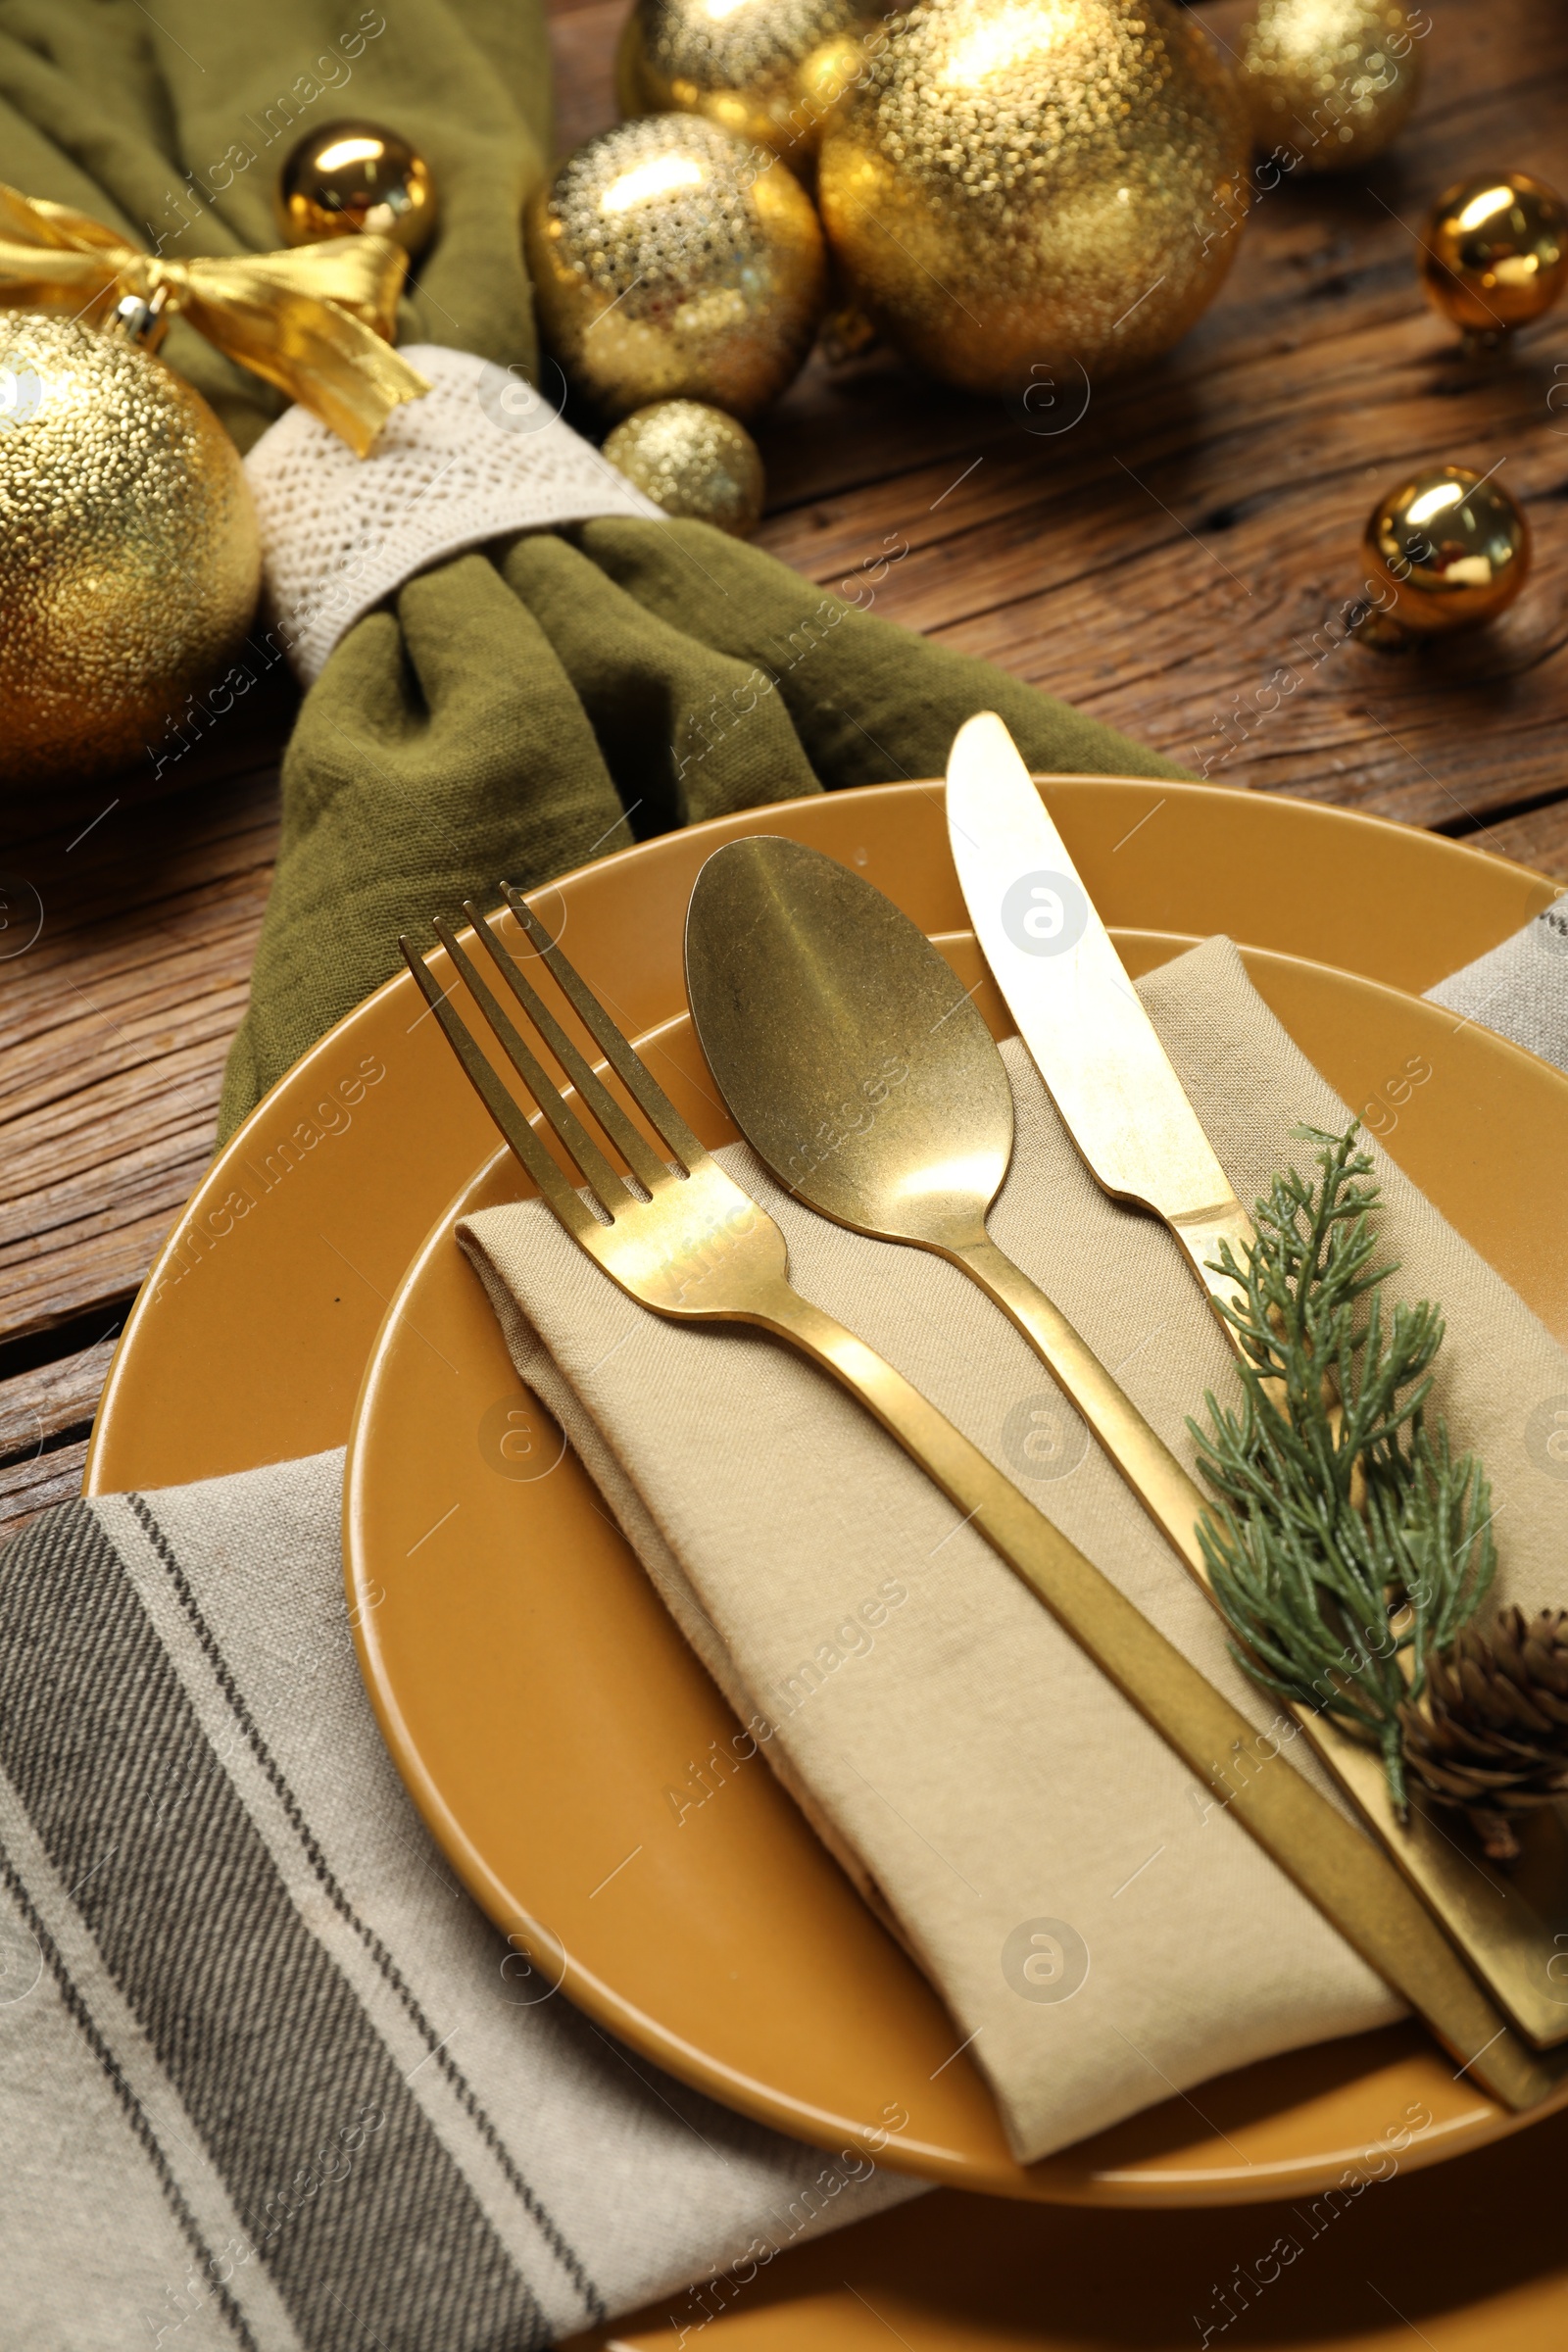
x,y
250,1338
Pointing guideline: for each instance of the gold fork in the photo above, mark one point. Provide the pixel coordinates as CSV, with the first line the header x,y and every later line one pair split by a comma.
x,y
687,1241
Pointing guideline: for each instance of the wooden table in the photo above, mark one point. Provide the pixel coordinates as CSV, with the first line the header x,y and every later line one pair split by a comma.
x,y
1158,566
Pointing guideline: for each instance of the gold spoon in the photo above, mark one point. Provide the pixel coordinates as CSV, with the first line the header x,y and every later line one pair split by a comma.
x,y
858,1070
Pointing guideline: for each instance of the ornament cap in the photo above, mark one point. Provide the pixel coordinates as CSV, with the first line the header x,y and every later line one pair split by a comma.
x,y
142,318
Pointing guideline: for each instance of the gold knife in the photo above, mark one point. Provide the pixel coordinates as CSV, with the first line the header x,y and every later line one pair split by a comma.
x,y
1127,1112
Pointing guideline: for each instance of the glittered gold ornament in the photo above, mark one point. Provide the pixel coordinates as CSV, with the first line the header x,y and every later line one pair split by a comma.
x,y
1024,184
667,265
1450,549
1495,254
1329,83
754,66
348,180
129,558
693,460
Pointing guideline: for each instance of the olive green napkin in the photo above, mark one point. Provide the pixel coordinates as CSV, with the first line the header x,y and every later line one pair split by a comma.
x,y
169,123
549,700
519,711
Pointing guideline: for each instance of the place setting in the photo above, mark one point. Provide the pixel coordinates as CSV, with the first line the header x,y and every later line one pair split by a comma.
x,y
573,1570
851,1057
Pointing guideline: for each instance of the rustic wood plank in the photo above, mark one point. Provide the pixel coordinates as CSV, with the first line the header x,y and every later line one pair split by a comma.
x,y
1181,561
29,1488
113,1027
38,1406
1537,838
582,41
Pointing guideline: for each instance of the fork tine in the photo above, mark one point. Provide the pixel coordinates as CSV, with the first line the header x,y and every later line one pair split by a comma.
x,y
574,1212
645,1089
604,1181
639,1154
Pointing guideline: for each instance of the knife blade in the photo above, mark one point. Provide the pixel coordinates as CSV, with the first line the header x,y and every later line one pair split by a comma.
x,y
1077,1010
1127,1112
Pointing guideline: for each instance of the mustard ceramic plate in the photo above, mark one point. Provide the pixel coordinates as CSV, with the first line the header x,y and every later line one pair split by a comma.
x,y
249,1340
589,1786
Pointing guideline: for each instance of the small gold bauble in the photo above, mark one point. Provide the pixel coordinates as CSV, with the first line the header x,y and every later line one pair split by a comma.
x,y
693,462
1496,252
1451,548
349,177
742,65
1018,185
129,557
667,265
1329,83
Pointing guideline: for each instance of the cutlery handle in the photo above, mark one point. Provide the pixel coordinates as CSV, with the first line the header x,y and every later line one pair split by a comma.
x,y
1171,1499
1352,1883
1201,1237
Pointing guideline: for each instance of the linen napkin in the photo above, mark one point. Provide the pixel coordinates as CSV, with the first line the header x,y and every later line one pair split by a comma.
x,y
267,2076
964,1758
1519,987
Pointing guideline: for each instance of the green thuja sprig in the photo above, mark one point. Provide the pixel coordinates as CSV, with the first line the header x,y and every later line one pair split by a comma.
x,y
1345,1538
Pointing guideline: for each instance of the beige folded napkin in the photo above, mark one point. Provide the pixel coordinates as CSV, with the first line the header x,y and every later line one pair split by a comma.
x,y
958,1750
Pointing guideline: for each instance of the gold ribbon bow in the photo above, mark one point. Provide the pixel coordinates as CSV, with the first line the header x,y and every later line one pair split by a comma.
x,y
317,322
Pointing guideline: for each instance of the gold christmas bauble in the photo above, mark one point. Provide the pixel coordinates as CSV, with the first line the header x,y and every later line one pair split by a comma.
x,y
129,557
1329,83
1496,252
1453,547
693,460
744,65
1023,184
667,265
347,178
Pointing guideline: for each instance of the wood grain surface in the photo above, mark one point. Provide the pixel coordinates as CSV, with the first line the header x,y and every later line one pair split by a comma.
x,y
1178,563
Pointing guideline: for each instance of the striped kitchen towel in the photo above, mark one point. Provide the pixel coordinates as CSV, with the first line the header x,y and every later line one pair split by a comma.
x,y
267,2076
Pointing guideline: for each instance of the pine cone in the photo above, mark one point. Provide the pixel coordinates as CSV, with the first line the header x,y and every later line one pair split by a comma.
x,y
1490,1736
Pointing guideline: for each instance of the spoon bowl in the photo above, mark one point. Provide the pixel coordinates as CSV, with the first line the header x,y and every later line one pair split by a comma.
x,y
851,1057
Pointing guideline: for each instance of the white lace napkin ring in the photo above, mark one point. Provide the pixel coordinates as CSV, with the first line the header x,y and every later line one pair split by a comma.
x,y
483,454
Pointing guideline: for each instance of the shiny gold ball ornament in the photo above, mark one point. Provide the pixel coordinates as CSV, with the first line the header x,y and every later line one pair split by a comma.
x,y
1017,185
129,557
667,265
1450,549
1329,83
1494,254
693,462
741,63
348,177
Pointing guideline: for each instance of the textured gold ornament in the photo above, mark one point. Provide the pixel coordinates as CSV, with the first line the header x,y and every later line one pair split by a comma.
x,y
1495,254
693,460
751,65
1018,185
129,558
667,265
1451,549
1329,83
354,178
